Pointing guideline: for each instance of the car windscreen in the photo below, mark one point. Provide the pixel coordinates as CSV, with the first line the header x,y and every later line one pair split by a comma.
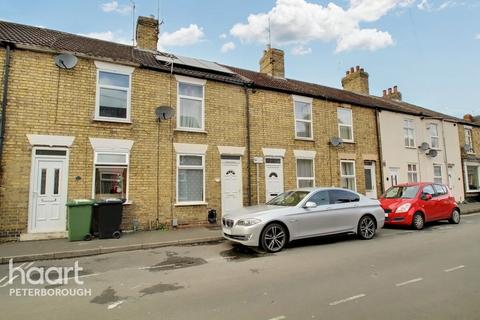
x,y
401,192
288,199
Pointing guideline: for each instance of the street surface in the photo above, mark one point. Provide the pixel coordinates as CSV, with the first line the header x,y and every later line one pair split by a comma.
x,y
400,274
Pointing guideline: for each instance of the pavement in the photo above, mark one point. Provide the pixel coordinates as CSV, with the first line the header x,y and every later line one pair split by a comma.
x,y
61,248
400,274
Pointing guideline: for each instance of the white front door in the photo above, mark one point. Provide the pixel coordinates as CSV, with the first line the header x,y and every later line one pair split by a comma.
x,y
393,176
48,191
370,180
273,177
232,192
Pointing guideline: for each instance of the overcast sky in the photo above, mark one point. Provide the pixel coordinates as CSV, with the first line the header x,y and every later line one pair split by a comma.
x,y
429,48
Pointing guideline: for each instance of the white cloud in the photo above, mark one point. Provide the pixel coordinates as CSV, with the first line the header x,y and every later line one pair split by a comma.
x,y
427,5
477,36
223,36
300,50
113,6
185,36
298,22
229,46
113,36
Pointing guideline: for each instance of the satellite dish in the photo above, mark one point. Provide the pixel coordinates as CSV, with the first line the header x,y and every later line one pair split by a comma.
x,y
66,61
432,153
467,147
336,141
424,146
164,113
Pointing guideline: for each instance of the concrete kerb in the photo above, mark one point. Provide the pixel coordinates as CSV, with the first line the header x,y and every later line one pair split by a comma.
x,y
104,250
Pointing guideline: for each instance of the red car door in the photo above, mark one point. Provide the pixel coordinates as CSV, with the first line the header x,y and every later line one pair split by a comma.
x,y
445,202
429,206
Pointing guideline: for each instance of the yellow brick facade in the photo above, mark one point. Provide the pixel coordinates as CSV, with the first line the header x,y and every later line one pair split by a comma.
x,y
46,100
473,157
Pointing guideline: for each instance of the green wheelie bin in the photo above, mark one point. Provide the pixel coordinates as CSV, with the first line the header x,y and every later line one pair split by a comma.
x,y
79,219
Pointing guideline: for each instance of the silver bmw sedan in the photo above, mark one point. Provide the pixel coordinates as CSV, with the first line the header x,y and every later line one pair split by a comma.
x,y
304,213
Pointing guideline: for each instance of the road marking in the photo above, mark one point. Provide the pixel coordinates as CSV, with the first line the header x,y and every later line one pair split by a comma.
x,y
454,268
358,296
115,304
408,282
278,318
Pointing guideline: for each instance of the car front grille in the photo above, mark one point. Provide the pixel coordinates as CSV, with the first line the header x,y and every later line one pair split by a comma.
x,y
238,237
227,222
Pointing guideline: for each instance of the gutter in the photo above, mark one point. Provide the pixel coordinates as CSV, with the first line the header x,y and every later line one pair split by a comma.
x,y
380,149
6,73
247,125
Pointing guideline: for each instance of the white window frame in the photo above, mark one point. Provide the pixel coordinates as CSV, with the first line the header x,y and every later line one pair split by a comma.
x,y
190,203
350,126
469,139
438,177
113,166
412,172
432,137
118,69
406,130
354,176
192,81
471,164
305,178
308,101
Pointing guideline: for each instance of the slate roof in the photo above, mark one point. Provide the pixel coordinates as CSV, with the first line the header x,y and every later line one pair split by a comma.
x,y
25,35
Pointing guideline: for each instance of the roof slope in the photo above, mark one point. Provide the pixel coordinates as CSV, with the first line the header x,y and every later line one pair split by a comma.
x,y
20,34
25,35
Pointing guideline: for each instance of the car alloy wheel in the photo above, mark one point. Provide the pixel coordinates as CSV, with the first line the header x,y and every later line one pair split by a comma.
x,y
274,237
455,218
418,221
366,228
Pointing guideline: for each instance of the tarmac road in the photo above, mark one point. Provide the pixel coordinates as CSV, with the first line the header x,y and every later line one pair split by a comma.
x,y
400,274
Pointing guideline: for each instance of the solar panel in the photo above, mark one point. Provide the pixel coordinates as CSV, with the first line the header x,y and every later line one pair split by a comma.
x,y
191,62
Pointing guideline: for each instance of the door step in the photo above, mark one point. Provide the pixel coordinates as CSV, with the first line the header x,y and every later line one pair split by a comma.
x,y
43,236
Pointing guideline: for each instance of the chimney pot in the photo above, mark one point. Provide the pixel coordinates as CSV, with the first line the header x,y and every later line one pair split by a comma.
x,y
358,68
362,70
389,90
347,73
468,117
352,70
395,89
384,93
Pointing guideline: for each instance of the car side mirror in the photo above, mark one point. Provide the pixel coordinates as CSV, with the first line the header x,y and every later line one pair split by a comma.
x,y
427,197
310,205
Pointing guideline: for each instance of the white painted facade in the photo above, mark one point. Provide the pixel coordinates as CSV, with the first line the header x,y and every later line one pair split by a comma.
x,y
398,159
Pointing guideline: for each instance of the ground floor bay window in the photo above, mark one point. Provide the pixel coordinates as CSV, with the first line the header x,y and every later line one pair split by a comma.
x,y
472,172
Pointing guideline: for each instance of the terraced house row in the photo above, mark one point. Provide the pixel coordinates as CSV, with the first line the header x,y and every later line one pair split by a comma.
x,y
81,119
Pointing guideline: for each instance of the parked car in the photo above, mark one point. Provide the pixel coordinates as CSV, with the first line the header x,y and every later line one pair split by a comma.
x,y
413,204
304,213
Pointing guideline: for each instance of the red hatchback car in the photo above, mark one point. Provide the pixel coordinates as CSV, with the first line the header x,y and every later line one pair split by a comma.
x,y
413,204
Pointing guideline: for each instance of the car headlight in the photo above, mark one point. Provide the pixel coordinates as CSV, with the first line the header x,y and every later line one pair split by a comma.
x,y
403,208
248,222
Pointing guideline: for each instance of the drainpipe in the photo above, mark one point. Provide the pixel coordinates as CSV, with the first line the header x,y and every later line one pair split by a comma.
x,y
249,170
449,183
6,73
380,150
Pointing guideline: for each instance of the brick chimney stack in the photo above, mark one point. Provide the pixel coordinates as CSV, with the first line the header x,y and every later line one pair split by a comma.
x,y
273,63
468,117
356,80
146,34
392,93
